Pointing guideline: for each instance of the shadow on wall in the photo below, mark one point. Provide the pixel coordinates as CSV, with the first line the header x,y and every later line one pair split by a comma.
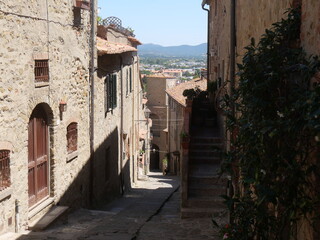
x,y
107,180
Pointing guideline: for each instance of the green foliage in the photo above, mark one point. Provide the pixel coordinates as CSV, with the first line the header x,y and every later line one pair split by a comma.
x,y
189,93
277,127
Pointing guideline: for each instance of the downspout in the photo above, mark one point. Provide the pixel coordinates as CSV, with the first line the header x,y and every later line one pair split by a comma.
x,y
208,38
121,127
232,51
91,109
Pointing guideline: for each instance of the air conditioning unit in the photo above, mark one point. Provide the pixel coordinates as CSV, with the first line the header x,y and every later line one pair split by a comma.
x,y
83,4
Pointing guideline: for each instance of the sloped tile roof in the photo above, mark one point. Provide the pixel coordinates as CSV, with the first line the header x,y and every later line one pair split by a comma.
x,y
105,47
177,91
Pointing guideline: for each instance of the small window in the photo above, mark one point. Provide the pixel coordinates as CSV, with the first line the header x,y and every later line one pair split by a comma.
x,y
4,169
82,4
77,20
72,137
127,83
130,77
41,70
110,98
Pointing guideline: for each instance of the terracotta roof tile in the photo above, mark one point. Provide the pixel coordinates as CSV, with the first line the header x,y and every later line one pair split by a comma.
x,y
105,47
132,39
177,91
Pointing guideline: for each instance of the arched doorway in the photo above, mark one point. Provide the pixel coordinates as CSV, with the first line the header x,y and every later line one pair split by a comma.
x,y
38,157
154,157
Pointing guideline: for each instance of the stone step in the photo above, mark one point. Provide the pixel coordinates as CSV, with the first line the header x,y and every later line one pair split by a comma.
x,y
209,146
198,169
202,212
207,202
216,190
205,179
50,217
203,153
204,160
195,139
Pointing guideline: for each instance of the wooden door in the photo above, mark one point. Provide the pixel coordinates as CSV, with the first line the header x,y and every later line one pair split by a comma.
x,y
38,158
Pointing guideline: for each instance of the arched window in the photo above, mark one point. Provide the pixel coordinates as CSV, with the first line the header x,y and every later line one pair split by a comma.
x,y
4,169
72,137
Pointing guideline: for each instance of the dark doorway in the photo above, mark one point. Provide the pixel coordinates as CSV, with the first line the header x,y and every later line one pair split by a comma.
x,y
154,158
38,156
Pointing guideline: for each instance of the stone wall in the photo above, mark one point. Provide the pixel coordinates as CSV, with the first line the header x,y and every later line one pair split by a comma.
x,y
117,131
27,32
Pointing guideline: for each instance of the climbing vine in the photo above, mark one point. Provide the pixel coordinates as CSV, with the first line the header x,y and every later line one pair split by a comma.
x,y
275,137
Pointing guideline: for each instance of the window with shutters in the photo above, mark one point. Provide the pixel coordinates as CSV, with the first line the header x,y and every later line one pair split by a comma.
x,y
4,169
110,92
127,82
130,79
41,70
72,137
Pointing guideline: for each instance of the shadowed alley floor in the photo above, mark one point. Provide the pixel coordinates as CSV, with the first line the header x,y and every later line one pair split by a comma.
x,y
151,211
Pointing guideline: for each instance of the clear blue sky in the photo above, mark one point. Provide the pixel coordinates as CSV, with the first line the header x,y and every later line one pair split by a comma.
x,y
164,22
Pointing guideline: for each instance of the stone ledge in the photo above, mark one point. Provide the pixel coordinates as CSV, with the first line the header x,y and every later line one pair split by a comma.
x,y
38,208
72,156
41,84
6,193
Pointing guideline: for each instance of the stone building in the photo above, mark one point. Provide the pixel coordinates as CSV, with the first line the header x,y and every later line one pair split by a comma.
x,y
176,116
120,123
68,136
44,99
226,41
232,24
158,105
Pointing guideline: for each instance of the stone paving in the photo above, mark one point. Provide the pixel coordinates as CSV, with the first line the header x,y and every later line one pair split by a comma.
x,y
150,211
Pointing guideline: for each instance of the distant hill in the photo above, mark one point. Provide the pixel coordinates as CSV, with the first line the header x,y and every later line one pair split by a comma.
x,y
149,50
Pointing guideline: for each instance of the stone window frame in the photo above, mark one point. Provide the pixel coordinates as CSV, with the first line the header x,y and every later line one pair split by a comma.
x,y
72,140
41,69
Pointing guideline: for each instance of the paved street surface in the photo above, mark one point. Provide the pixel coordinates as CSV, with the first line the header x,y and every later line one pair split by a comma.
x,y
149,212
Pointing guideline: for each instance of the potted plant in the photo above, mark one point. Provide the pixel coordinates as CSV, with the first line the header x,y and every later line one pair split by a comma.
x,y
185,139
165,166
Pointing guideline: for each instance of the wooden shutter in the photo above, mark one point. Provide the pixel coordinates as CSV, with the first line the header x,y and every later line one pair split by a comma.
x,y
72,137
37,159
114,92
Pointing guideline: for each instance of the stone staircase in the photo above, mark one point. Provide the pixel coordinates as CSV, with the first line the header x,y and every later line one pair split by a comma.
x,y
204,184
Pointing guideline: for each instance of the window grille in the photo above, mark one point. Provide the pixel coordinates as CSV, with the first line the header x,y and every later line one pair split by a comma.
x,y
72,137
4,169
41,70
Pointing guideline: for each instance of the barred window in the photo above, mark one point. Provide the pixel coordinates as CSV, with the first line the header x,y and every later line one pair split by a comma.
x,y
41,70
72,137
4,169
110,98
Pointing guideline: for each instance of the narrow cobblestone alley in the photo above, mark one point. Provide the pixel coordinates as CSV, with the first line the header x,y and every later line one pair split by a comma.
x,y
151,210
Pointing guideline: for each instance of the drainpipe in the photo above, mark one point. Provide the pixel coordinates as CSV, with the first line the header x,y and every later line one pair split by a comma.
x,y
232,51
121,127
91,108
208,38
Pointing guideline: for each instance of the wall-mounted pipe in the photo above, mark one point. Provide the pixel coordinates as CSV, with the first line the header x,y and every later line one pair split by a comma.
x,y
121,127
92,89
208,38
232,50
